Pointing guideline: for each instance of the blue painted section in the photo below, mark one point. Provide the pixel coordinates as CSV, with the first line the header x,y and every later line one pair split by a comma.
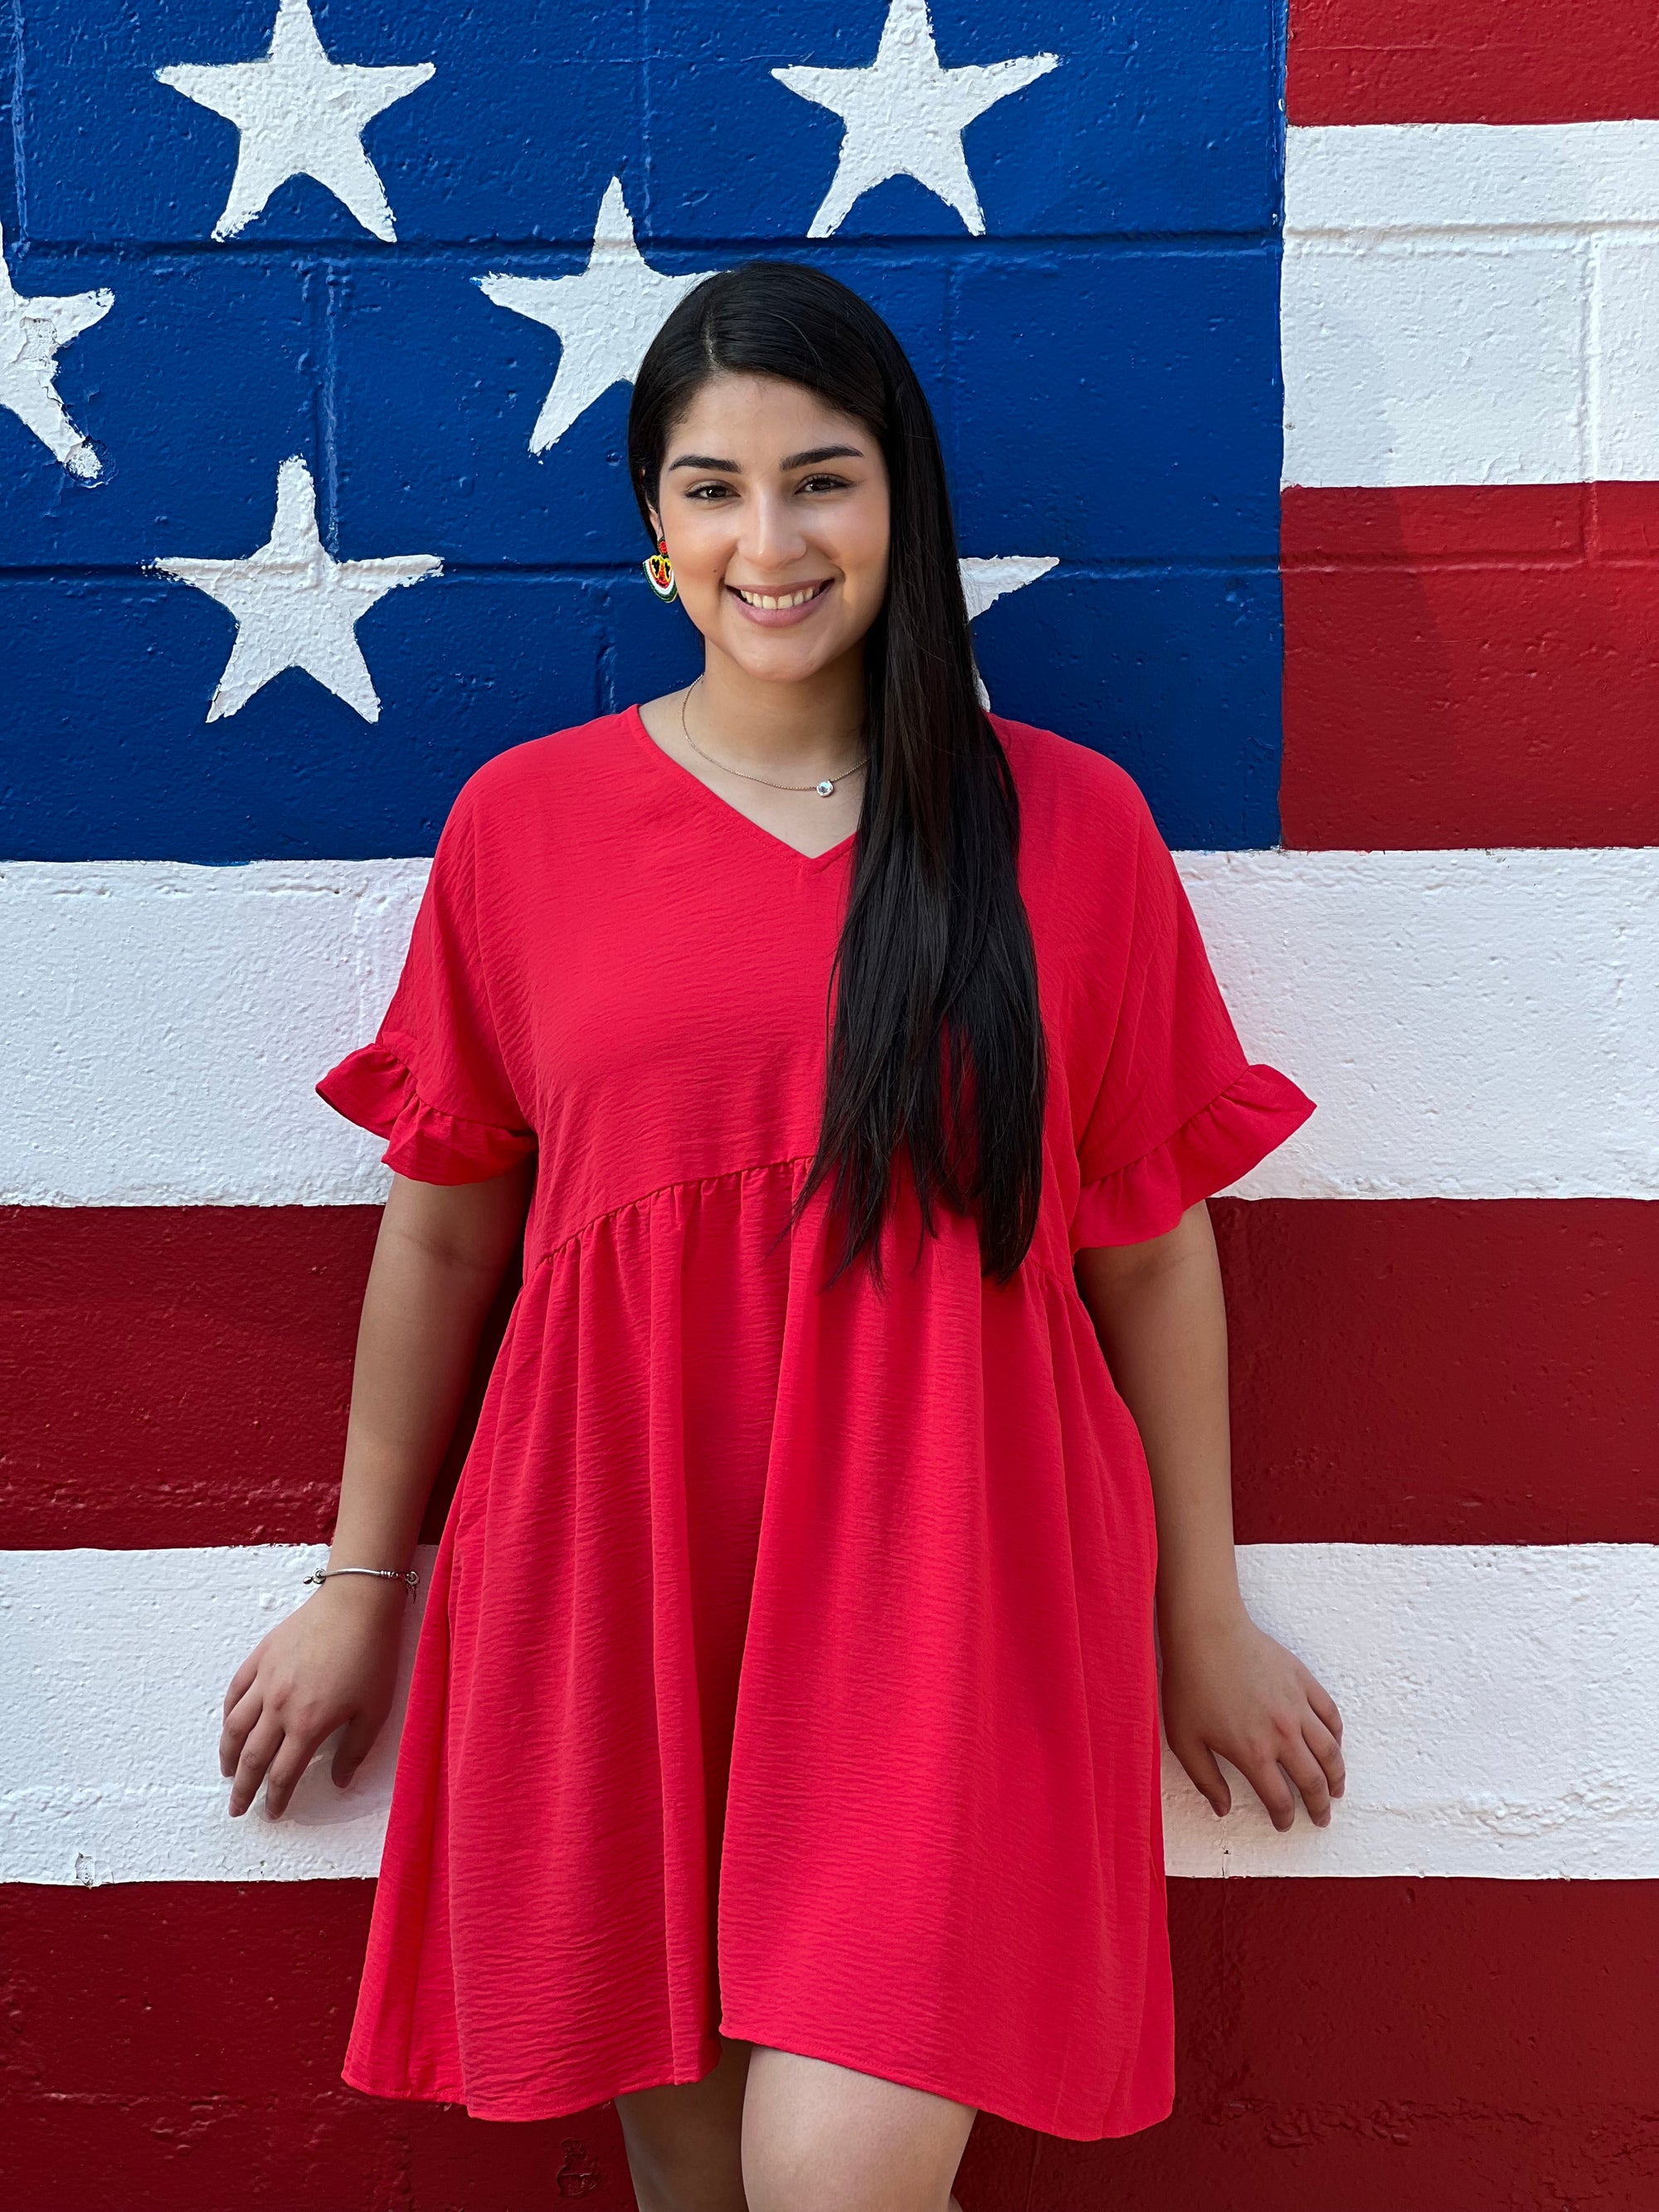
x,y
200,379
118,761
1103,362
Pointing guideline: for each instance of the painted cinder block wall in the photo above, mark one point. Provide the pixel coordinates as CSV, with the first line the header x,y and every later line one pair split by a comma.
x,y
1376,634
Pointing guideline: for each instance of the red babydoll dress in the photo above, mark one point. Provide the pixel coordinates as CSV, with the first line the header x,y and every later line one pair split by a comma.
x,y
788,1664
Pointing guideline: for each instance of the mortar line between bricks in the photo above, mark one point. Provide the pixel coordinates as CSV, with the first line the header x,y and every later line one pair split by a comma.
x,y
952,308
991,253
1363,237
19,188
1472,563
1281,38
1591,364
626,573
647,166
328,395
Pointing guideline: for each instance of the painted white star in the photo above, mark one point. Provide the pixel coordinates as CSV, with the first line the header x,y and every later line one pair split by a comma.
x,y
905,115
605,315
985,581
300,115
295,605
31,333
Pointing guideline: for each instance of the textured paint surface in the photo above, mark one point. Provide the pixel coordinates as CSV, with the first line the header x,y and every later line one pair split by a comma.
x,y
1426,1371
215,1034
149,1399
1443,1372
1456,1370
1464,305
1480,61
34,330
1415,995
299,114
1372,2047
1470,541
604,317
1071,219
1502,1707
116,1663
905,115
295,605
1447,650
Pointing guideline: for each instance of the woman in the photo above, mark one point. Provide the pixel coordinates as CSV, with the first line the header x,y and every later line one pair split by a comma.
x,y
782,1756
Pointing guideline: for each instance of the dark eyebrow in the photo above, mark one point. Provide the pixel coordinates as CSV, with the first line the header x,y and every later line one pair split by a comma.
x,y
793,461
822,453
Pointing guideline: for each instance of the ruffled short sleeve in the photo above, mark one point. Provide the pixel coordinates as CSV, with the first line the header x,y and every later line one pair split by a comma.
x,y
1180,1112
434,1080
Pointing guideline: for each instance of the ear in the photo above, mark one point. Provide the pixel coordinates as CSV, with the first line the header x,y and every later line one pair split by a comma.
x,y
657,530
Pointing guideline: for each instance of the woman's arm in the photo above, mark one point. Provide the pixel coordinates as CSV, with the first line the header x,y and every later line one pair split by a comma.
x,y
439,1260
1228,1687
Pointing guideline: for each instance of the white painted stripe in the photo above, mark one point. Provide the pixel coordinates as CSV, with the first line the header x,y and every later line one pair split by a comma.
x,y
1500,1704
163,1025
1500,1710
114,1668
1473,1024
1471,303
1399,177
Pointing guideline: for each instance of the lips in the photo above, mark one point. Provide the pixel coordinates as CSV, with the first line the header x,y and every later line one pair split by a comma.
x,y
781,602
780,609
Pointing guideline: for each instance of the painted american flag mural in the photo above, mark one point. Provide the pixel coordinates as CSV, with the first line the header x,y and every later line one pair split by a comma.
x,y
1312,471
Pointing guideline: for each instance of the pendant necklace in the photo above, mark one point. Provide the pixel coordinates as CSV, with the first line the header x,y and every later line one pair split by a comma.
x,y
825,786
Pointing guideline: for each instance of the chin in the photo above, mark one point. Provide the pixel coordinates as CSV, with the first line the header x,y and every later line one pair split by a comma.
x,y
782,662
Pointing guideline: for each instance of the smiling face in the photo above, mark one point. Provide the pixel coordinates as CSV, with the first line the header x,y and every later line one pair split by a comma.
x,y
774,511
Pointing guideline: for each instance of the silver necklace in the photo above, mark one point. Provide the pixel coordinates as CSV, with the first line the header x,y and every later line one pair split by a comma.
x,y
825,786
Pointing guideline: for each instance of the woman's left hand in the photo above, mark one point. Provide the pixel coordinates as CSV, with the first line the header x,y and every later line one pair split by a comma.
x,y
1229,1688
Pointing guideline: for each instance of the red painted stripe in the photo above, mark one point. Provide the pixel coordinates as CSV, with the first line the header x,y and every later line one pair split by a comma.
x,y
1443,1372
1471,666
176,1375
1418,1371
175,2047
1472,61
181,1374
1371,2045
1390,2046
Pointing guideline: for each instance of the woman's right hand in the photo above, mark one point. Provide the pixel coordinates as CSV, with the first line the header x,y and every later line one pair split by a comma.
x,y
442,1251
334,1659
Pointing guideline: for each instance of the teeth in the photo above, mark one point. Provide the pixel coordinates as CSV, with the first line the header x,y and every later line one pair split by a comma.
x,y
779,599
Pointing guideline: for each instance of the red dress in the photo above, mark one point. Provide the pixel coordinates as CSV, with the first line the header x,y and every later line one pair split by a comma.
x,y
788,1665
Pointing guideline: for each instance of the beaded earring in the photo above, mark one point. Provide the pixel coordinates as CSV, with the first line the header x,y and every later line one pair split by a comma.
x,y
659,573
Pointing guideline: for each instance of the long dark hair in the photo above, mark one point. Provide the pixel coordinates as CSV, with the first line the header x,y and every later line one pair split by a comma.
x,y
936,1042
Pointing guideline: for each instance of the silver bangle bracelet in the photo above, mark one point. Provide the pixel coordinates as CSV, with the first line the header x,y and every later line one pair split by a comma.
x,y
393,1574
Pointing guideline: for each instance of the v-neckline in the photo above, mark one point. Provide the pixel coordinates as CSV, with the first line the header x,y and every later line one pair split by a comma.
x,y
712,798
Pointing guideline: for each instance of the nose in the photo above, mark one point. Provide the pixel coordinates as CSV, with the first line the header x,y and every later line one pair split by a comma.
x,y
772,539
